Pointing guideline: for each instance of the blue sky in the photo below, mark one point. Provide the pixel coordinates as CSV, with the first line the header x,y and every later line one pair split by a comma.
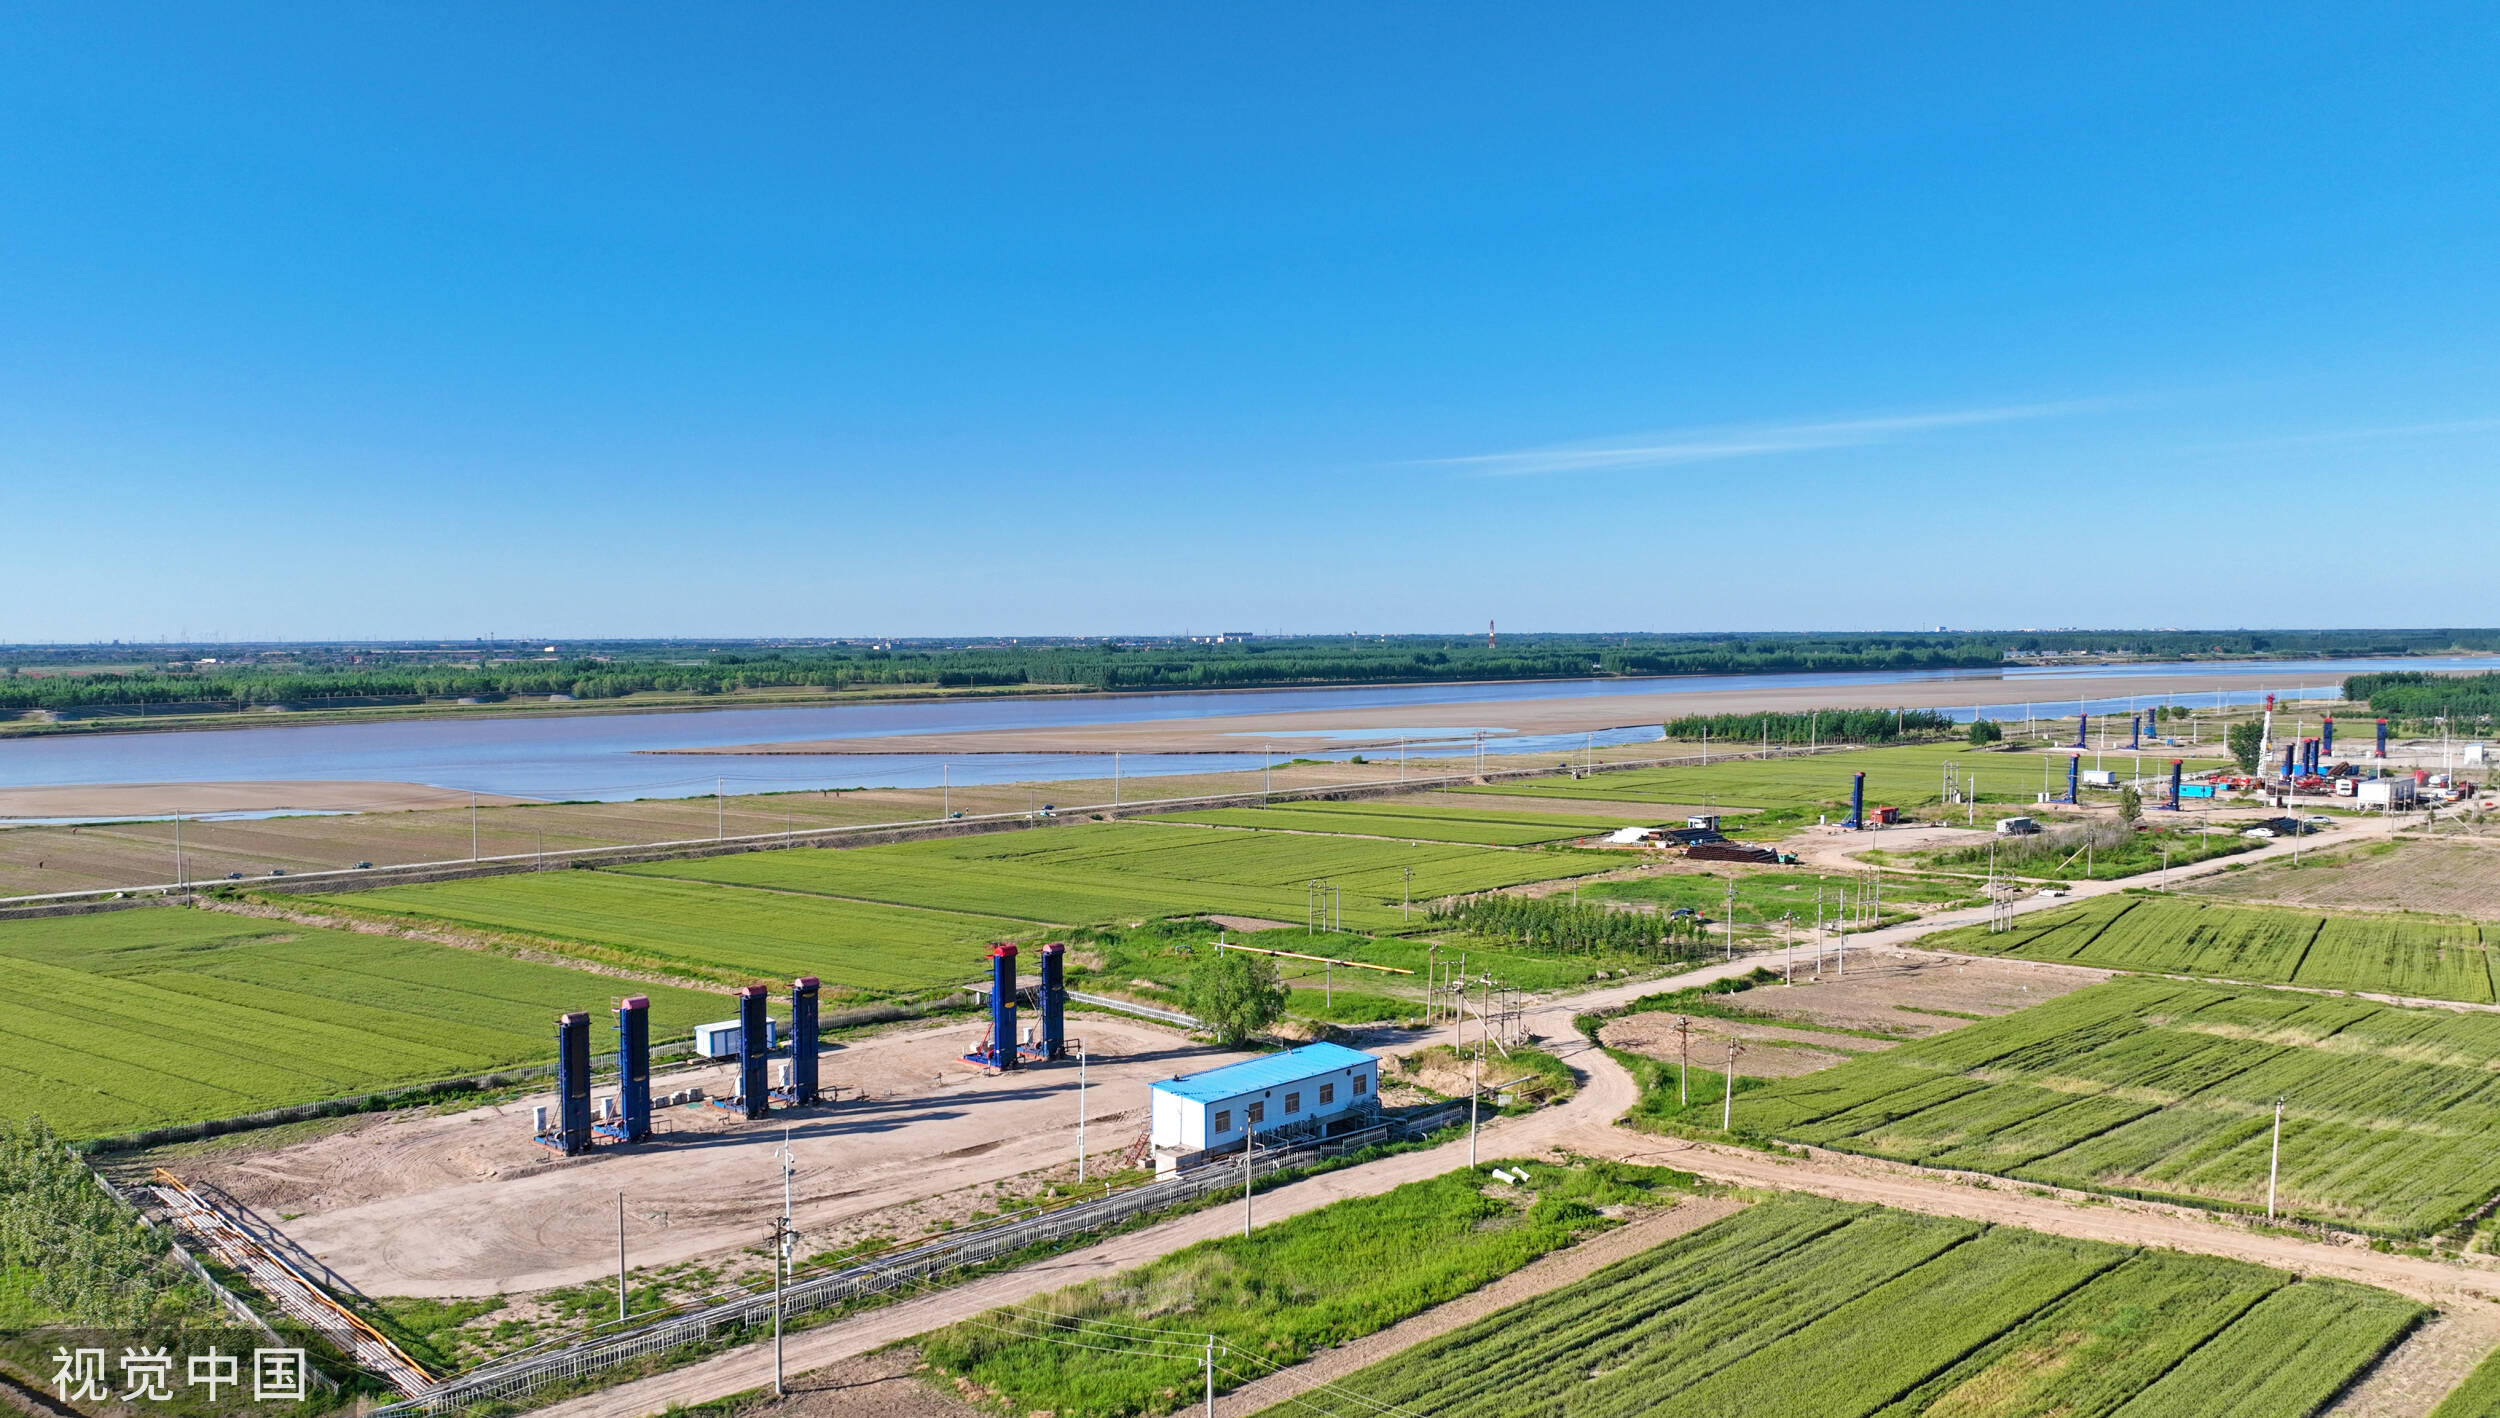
x,y
367,320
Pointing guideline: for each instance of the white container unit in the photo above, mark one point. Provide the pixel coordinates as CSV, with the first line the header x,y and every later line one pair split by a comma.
x,y
725,1040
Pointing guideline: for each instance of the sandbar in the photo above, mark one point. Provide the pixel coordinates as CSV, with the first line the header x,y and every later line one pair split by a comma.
x,y
110,800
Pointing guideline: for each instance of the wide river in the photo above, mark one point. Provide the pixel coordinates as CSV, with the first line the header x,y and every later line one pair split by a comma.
x,y
608,757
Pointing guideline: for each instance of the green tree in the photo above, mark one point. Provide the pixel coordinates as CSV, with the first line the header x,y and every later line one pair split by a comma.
x,y
2130,804
1983,731
1236,994
2247,740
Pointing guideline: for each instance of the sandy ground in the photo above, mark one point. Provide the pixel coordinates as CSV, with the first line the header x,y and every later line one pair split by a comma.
x,y
466,1204
160,799
1385,725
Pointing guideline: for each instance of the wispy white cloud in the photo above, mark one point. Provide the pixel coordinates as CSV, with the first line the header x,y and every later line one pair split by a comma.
x,y
1718,444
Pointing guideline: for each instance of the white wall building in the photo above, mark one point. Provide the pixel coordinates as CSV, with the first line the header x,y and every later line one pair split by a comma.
x,y
1214,1110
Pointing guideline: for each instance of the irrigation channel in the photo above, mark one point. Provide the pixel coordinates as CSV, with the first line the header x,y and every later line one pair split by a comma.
x,y
511,1378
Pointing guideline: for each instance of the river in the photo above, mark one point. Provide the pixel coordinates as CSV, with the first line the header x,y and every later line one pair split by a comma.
x,y
608,757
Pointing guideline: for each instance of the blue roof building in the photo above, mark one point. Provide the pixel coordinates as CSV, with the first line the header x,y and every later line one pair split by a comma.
x,y
1301,1089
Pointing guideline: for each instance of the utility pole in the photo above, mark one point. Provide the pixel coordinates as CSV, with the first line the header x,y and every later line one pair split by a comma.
x,y
1115,780
789,1163
1406,898
620,1256
473,824
1731,918
720,811
180,877
1727,1104
2274,1163
946,790
1249,1144
1210,1376
1475,1092
1684,1061
1080,1113
781,1264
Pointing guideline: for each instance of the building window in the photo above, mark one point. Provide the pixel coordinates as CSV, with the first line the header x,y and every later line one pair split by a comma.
x,y
1359,1082
1293,1104
1223,1120
1327,1094
1258,1114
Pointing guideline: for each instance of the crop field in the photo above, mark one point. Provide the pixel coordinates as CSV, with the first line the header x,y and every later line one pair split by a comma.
x,y
2418,957
141,1018
1770,894
1414,822
1909,776
2391,1118
1128,871
2449,876
699,930
1805,1308
1300,1285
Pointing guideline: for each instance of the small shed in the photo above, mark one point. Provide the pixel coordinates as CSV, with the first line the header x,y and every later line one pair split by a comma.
x,y
1215,1110
2386,792
726,1039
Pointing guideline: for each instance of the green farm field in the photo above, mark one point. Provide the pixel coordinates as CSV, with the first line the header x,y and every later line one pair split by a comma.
x,y
1292,1288
1909,777
2140,1087
1765,894
2417,957
706,931
1416,822
1805,1308
138,1019
1116,871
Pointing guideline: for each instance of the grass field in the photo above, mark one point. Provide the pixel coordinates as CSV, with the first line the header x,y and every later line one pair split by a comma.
x,y
2391,1124
698,930
2419,957
1287,1290
1416,822
137,1019
1804,1308
2477,1397
1131,871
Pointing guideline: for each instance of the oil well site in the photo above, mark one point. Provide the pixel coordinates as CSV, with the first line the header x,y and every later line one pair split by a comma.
x,y
1354,1091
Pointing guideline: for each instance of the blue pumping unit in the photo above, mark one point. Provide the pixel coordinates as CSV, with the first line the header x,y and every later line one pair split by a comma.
x,y
2135,731
805,1083
2175,774
2288,750
752,1042
2074,778
2382,739
2328,748
572,1134
2082,721
633,1062
1053,1002
1857,804
998,1050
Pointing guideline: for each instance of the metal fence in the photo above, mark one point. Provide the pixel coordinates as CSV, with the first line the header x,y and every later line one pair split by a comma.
x,y
511,1378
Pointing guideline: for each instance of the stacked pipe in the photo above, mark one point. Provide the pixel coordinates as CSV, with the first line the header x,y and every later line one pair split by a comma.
x,y
999,1049
804,1083
1054,1002
633,1057
573,1083
753,1091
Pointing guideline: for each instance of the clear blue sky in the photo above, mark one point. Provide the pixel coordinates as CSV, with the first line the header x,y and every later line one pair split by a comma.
x,y
399,320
